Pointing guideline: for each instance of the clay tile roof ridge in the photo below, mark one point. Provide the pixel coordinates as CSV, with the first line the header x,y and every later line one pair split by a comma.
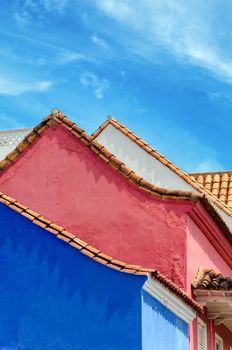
x,y
219,183
111,159
208,278
94,253
115,163
186,176
90,142
100,150
97,148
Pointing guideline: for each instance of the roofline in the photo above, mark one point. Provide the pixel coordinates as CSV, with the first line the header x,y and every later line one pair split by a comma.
x,y
94,253
99,150
115,163
210,172
200,276
154,153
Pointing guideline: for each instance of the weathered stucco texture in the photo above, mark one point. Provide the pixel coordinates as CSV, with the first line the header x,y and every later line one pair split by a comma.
x,y
63,180
201,252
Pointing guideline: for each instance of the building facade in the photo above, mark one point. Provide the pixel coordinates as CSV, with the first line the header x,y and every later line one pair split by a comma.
x,y
58,293
119,195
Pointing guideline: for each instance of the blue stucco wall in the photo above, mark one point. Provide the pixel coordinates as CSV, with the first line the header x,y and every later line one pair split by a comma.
x,y
54,297
161,329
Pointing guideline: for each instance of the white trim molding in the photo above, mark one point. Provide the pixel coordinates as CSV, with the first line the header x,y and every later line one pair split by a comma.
x,y
169,300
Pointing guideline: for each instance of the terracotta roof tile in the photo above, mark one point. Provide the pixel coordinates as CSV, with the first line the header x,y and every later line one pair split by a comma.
x,y
209,279
93,250
76,245
116,267
202,185
103,154
64,238
218,183
117,165
94,253
68,234
37,222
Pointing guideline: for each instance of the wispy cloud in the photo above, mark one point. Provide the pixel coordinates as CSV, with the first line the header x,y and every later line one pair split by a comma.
x,y
27,10
99,41
42,55
16,87
66,56
49,5
58,5
188,31
98,85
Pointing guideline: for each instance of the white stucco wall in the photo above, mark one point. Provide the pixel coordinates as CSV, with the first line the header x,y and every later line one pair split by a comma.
x,y
146,166
10,138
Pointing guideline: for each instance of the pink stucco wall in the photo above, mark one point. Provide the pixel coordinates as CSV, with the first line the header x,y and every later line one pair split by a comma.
x,y
66,182
201,252
63,180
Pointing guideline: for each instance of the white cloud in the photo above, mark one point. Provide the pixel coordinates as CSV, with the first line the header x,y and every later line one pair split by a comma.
x,y
71,56
16,87
42,85
119,9
98,85
99,41
188,30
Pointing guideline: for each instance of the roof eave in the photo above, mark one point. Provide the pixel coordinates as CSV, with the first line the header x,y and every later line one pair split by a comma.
x,y
154,153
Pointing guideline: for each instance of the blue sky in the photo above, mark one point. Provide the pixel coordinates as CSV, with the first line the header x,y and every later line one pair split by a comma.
x,y
161,67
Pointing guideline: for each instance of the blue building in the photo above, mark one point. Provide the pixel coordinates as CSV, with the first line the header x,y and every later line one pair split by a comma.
x,y
59,293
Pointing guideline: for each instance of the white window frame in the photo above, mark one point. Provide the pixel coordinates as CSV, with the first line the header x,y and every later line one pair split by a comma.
x,y
204,326
218,340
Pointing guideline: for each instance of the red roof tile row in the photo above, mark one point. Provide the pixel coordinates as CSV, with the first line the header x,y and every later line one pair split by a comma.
x,y
191,179
116,164
218,183
209,279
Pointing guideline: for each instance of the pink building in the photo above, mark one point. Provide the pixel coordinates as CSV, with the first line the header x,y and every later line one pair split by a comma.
x,y
131,203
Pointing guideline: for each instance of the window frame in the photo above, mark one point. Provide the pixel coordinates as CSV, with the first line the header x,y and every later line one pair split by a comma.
x,y
202,324
220,340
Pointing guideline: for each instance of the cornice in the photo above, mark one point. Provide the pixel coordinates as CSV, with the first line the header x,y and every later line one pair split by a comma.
x,y
169,300
213,234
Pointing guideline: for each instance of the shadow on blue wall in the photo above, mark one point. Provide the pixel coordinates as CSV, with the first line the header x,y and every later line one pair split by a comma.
x,y
160,327
54,297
